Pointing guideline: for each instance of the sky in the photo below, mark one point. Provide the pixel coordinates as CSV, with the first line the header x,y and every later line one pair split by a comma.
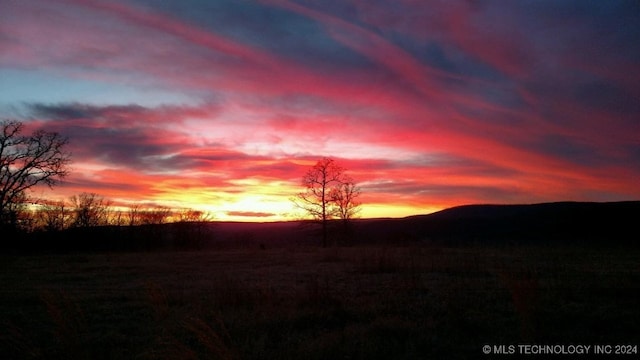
x,y
223,106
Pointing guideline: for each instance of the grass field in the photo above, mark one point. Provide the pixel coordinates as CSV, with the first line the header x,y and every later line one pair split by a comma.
x,y
369,302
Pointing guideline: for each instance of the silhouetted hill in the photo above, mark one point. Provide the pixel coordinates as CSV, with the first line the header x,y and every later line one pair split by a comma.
x,y
560,222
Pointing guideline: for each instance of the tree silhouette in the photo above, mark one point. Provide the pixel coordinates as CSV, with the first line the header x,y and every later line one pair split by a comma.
x,y
90,209
328,193
25,161
54,216
344,196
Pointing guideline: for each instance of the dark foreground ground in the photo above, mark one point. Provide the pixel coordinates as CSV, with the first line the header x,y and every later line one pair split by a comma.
x,y
361,302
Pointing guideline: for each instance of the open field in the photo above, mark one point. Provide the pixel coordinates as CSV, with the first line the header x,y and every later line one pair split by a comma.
x,y
368,302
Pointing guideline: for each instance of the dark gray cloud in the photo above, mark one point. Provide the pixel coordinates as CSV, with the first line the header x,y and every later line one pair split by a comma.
x,y
126,136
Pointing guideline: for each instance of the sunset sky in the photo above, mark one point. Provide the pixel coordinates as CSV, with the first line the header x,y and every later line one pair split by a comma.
x,y
223,105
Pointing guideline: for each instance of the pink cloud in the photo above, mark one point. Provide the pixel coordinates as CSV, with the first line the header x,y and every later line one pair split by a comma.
x,y
412,132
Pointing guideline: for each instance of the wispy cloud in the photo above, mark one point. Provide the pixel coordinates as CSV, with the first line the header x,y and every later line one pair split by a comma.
x,y
428,104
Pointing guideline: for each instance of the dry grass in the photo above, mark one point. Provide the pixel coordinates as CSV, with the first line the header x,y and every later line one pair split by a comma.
x,y
308,303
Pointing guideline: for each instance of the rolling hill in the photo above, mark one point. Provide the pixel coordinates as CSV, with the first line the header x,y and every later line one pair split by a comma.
x,y
566,222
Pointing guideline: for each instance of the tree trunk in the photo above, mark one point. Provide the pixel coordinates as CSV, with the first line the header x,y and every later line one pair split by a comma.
x,y
324,233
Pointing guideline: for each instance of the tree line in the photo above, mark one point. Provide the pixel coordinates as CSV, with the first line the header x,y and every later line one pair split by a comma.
x,y
92,210
42,158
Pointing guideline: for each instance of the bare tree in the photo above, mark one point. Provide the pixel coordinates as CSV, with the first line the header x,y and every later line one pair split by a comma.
x,y
155,215
18,214
328,193
134,214
25,161
138,214
344,196
90,209
118,217
54,216
192,216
